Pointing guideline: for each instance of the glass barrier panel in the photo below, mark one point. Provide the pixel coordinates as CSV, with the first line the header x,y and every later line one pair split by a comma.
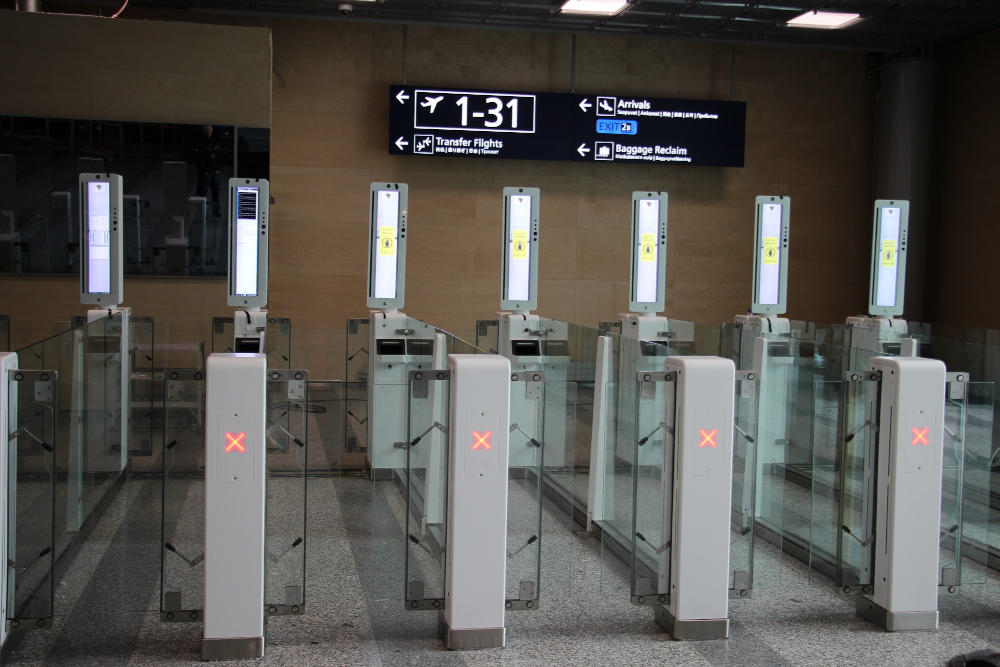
x,y
979,543
730,336
279,342
613,499
427,453
183,493
87,406
610,327
143,396
778,374
402,347
652,485
766,488
34,411
91,408
952,482
824,476
338,415
567,355
182,555
356,360
277,339
858,459
741,551
287,438
863,344
526,535
617,531
486,335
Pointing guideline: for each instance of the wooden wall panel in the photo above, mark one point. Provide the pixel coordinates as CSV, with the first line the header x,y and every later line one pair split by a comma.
x,y
121,69
965,199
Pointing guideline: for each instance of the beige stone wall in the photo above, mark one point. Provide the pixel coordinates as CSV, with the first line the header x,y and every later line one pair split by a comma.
x,y
87,67
809,135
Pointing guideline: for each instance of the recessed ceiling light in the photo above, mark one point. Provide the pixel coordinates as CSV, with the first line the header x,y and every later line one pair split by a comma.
x,y
606,7
824,20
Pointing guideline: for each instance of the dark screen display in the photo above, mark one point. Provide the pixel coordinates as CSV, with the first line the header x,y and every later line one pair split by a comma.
x,y
444,122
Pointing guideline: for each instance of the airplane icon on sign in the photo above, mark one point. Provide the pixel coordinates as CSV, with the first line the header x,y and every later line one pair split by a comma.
x,y
423,144
606,107
431,102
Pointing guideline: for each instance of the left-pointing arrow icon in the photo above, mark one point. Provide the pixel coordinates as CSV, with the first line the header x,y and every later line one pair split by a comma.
x,y
585,105
400,144
401,97
582,150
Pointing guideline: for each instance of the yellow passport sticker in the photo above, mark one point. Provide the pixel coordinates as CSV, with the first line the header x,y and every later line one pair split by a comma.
x,y
888,253
647,248
770,249
519,244
387,240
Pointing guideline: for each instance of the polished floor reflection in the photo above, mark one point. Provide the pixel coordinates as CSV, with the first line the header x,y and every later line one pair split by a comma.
x,y
108,604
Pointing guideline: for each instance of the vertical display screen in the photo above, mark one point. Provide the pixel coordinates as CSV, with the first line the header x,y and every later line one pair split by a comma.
x,y
386,232
887,260
519,248
646,250
769,255
98,237
246,241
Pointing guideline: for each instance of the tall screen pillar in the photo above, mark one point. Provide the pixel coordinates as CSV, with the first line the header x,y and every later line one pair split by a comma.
x,y
389,344
249,200
762,343
102,284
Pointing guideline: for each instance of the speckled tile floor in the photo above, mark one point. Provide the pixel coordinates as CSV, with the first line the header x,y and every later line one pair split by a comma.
x,y
107,605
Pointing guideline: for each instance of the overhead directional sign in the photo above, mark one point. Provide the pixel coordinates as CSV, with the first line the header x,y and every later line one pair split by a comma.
x,y
448,122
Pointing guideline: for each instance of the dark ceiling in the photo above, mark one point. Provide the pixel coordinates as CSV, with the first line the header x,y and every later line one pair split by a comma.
x,y
894,26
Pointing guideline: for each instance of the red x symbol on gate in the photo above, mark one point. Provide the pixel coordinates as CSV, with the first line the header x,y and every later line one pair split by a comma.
x,y
482,440
234,441
707,437
920,436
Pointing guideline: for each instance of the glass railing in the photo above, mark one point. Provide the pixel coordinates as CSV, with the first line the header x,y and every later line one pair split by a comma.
x,y
31,454
289,407
397,345
653,477
818,450
977,357
427,489
376,413
143,427
71,437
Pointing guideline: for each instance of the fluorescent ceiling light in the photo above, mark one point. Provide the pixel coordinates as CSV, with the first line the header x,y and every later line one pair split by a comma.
x,y
606,7
824,20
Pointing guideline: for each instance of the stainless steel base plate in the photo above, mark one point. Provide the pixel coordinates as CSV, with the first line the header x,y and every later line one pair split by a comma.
x,y
232,649
895,621
471,638
694,630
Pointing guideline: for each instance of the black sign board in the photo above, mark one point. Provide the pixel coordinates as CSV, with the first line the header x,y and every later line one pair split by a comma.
x,y
430,121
